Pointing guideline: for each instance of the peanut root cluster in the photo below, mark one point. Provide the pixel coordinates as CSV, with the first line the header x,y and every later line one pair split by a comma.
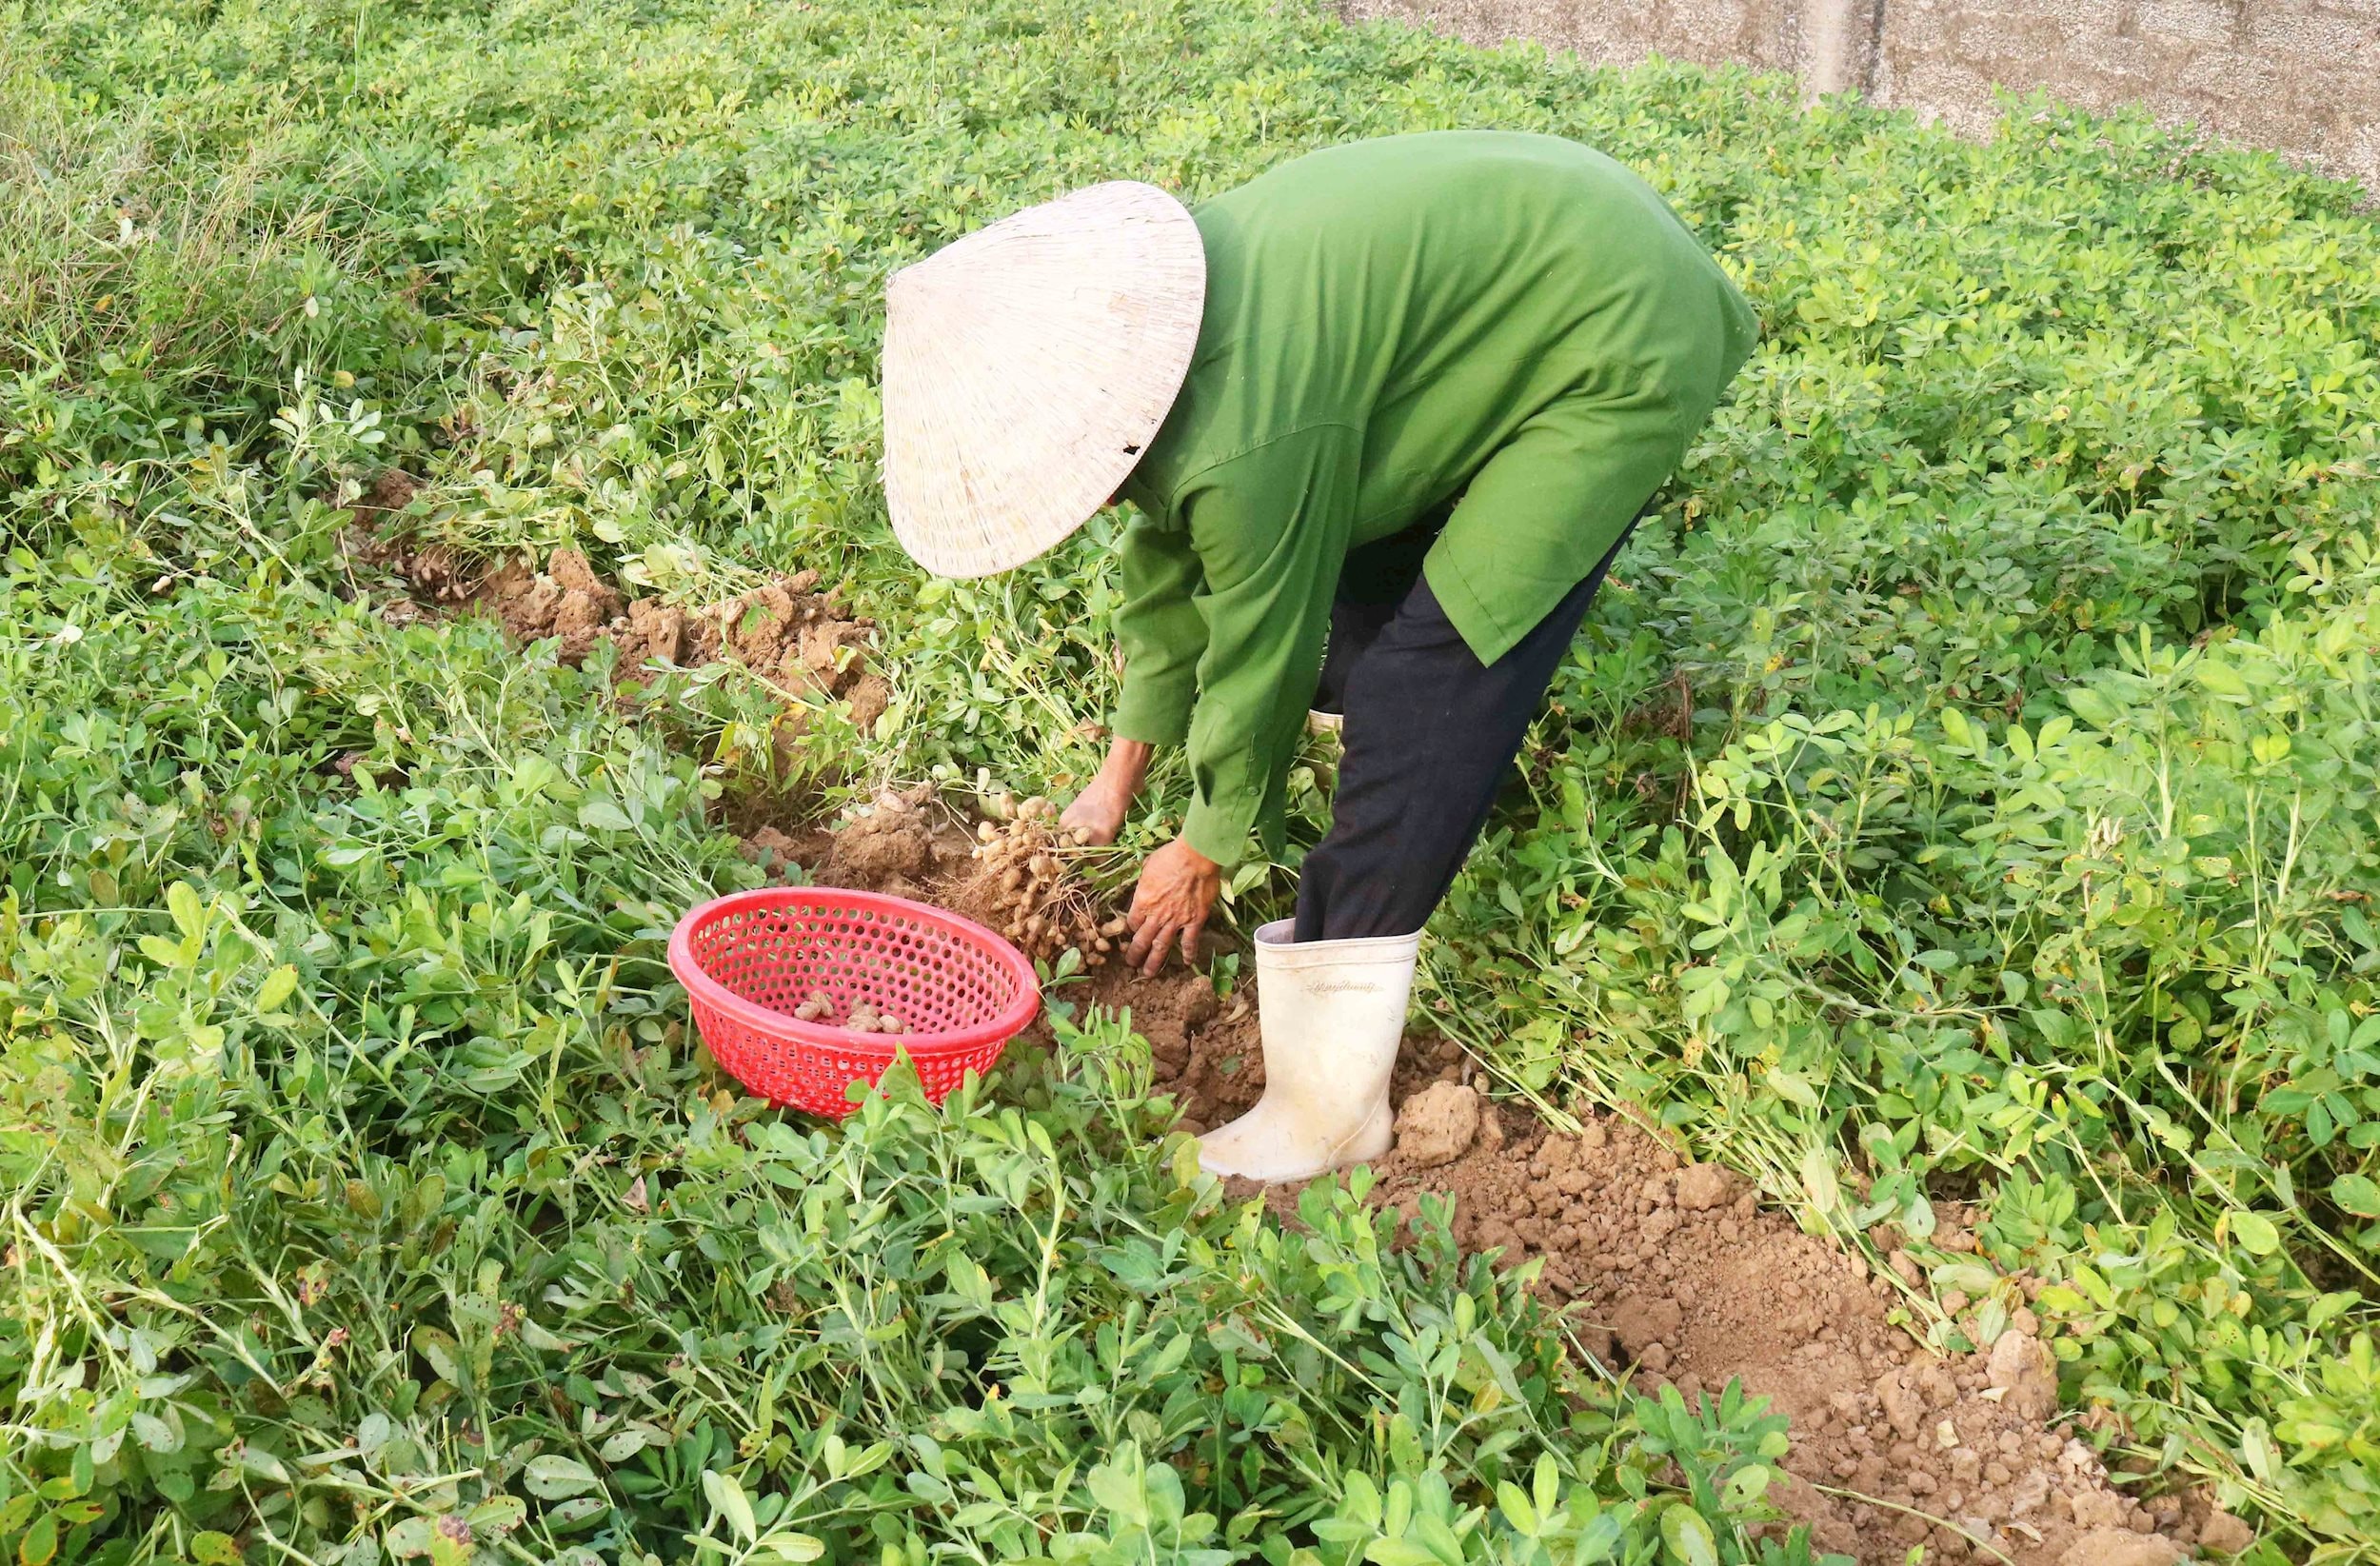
x,y
1025,887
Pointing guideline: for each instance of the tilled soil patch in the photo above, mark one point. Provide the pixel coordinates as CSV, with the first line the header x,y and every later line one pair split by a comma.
x,y
1670,1273
1675,1273
799,639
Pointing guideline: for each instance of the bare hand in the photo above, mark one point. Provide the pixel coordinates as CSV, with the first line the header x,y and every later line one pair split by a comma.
x,y
1098,811
1169,908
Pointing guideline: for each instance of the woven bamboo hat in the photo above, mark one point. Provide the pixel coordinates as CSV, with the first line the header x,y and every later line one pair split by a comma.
x,y
1028,366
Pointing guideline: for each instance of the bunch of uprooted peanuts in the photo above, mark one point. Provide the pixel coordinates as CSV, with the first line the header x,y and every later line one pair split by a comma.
x,y
1025,888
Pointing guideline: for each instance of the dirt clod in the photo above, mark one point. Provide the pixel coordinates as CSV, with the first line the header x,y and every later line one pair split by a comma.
x,y
2120,1547
1703,1186
2097,1510
1904,1406
2224,1534
566,601
2023,1370
1437,1125
892,842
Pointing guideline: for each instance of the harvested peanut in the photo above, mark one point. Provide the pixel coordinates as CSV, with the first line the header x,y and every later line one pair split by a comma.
x,y
1026,885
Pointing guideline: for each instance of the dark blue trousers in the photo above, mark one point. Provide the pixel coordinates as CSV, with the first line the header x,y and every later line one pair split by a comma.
x,y
1429,737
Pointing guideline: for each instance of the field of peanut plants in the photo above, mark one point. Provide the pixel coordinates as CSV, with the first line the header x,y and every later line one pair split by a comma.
x,y
1924,983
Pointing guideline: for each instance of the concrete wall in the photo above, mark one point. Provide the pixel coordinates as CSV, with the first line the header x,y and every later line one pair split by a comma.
x,y
1759,32
2300,76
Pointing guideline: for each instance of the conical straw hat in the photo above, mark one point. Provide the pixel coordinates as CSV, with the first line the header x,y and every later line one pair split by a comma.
x,y
1028,366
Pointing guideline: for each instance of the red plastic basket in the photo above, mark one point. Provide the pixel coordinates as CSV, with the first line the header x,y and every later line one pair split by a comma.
x,y
747,961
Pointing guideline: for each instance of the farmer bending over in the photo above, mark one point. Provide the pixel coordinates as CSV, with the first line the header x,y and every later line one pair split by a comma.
x,y
1401,400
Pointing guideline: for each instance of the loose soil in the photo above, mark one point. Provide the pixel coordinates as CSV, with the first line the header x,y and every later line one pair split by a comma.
x,y
1668,1272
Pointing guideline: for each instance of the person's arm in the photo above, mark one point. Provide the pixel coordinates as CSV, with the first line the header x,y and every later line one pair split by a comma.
x,y
1273,533
1270,530
1159,631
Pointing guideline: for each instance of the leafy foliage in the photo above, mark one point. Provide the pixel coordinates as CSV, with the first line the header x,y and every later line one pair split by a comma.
x,y
1965,786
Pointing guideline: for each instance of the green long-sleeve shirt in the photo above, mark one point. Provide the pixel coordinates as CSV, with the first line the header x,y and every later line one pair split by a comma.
x,y
1513,320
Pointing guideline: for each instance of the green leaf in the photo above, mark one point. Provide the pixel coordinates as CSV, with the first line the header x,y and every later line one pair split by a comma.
x,y
2330,1307
278,986
626,1443
728,1500
2221,678
2092,706
1687,1537
571,1514
189,913
1117,1487
40,1541
2356,1193
551,1478
497,1514
1817,1180
1399,1551
440,1349
256,1461
1745,1486
602,815
2255,1232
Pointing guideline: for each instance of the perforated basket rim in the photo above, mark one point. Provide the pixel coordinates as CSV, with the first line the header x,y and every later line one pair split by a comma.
x,y
707,991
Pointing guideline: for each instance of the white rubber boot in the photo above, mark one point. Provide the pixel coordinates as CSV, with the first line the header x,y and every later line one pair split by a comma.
x,y
1332,1013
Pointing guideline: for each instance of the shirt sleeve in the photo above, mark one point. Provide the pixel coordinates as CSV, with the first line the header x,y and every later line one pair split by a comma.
x,y
1270,530
1161,634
